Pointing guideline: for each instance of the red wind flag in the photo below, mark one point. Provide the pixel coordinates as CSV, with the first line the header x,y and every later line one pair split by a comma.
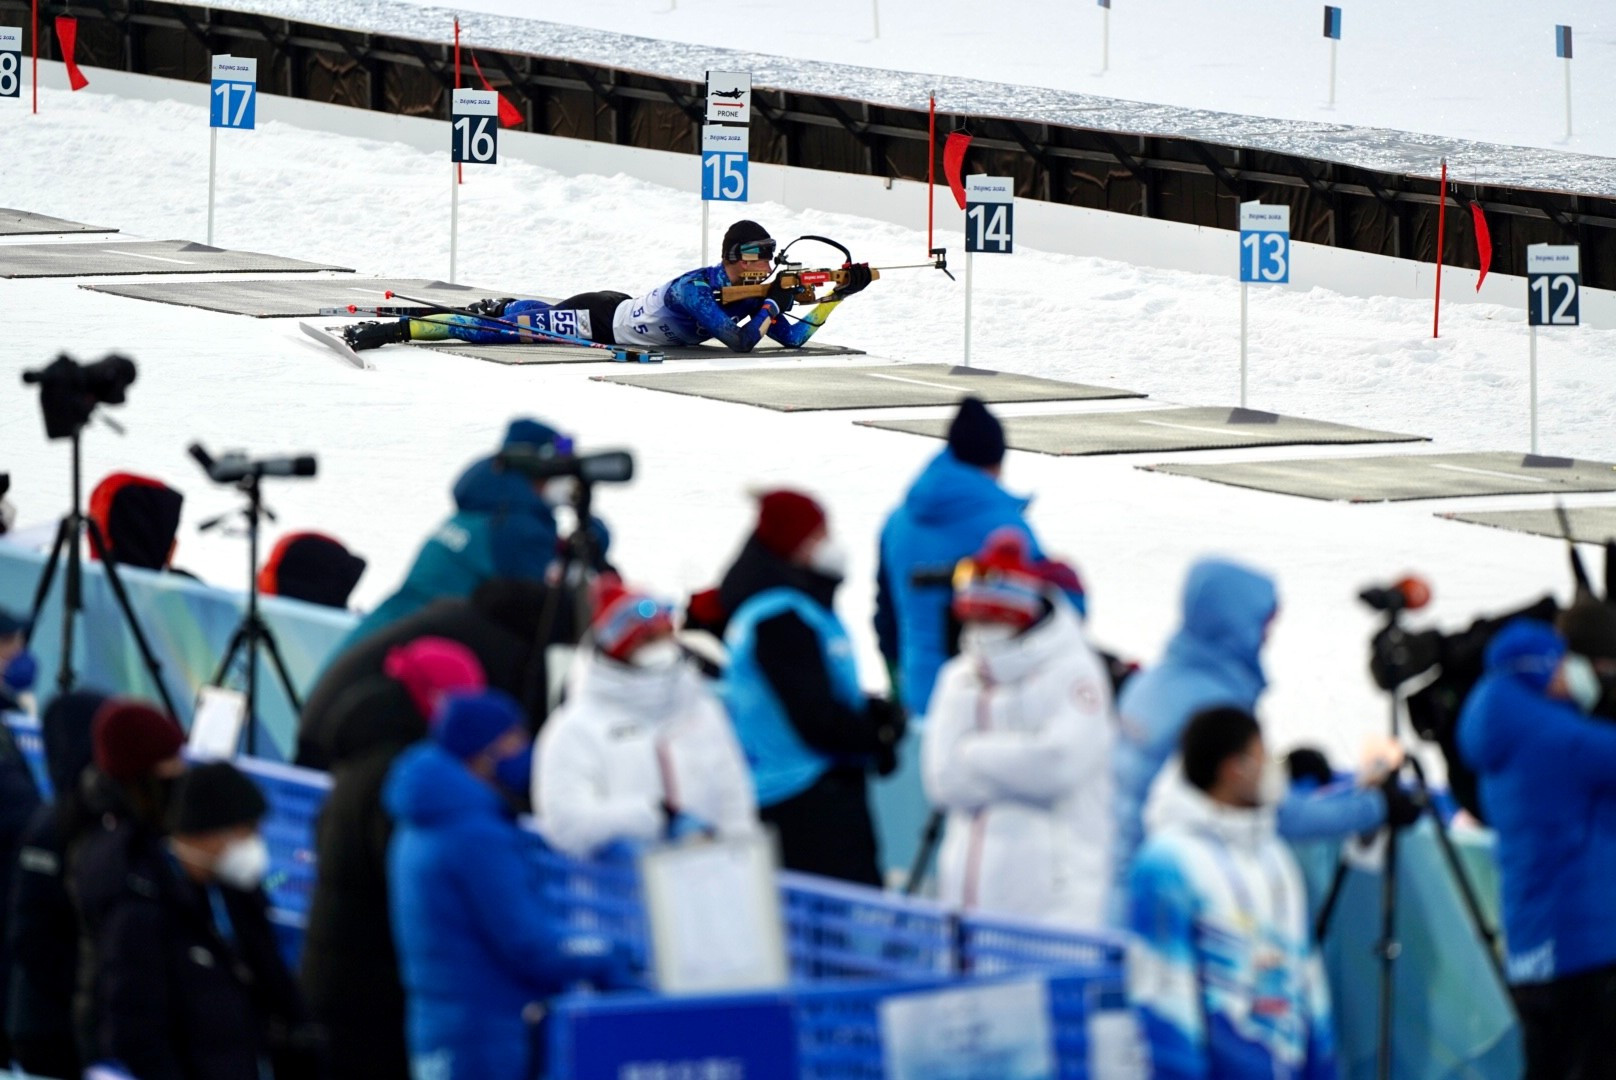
x,y
953,160
1484,242
67,32
509,115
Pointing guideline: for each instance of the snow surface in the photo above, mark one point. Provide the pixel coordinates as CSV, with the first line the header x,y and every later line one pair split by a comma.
x,y
390,441
1474,80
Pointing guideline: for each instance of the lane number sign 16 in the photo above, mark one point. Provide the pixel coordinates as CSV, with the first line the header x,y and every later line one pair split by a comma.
x,y
10,61
474,127
1553,285
990,214
724,160
1265,244
234,102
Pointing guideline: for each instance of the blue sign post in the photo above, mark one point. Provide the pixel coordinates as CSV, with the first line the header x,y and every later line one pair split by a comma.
x,y
1562,49
1332,30
1265,259
11,61
233,103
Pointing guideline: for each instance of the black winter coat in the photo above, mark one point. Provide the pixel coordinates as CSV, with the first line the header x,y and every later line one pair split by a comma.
x,y
165,989
350,969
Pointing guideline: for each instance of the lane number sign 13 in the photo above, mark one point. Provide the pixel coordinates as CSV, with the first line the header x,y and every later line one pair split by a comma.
x,y
1265,244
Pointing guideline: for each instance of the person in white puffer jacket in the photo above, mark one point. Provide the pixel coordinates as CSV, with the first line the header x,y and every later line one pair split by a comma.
x,y
1016,748
642,749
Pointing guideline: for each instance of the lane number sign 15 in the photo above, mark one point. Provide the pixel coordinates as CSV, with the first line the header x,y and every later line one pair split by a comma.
x,y
234,103
990,214
724,157
1265,244
474,127
1553,285
10,61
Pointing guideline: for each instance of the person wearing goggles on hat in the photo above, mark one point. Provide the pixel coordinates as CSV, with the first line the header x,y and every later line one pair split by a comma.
x,y
679,313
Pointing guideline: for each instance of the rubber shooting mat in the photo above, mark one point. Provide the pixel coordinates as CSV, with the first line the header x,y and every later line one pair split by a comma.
x,y
23,223
801,389
1397,478
1156,430
1589,524
143,257
573,354
300,297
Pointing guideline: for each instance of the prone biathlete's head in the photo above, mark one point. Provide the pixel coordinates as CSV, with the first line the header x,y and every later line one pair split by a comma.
x,y
748,252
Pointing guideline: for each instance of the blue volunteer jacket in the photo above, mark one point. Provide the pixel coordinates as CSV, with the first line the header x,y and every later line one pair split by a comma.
x,y
782,764
1547,780
474,942
946,515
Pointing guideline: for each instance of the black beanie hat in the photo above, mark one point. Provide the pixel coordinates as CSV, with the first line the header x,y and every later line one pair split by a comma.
x,y
215,796
975,436
742,232
1589,627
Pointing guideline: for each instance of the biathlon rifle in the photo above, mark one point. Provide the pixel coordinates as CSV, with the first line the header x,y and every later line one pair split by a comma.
x,y
803,285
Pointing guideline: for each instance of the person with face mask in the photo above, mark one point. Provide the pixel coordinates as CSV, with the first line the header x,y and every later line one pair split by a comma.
x,y
810,733
1016,747
1546,776
1223,972
641,750
476,943
188,981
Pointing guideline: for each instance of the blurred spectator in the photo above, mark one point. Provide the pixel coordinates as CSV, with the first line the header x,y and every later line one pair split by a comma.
x,y
503,527
19,797
475,943
1016,748
1224,972
945,516
187,979
1589,629
792,688
641,750
311,567
1215,660
499,624
139,518
18,668
1546,778
349,967
43,929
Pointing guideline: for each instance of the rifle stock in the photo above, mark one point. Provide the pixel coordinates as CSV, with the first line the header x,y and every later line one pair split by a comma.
x,y
800,283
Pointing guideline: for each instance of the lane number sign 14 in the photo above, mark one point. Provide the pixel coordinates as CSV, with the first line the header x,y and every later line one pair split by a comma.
x,y
234,102
1265,244
1553,285
990,214
474,127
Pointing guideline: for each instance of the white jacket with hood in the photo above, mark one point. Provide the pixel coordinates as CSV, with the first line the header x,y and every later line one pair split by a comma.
x,y
1017,750
626,741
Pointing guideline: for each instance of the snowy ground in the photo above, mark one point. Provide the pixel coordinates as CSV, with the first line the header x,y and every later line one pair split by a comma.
x,y
390,441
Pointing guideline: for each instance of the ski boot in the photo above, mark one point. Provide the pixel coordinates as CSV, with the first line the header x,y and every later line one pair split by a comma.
x,y
373,335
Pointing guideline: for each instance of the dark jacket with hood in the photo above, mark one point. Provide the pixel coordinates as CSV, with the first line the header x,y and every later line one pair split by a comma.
x,y
350,968
43,928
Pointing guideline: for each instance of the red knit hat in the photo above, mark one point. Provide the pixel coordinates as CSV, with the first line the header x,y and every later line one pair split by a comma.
x,y
786,519
1000,583
130,738
626,618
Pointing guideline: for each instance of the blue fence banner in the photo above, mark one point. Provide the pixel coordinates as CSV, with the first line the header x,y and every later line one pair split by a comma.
x,y
1332,22
1562,42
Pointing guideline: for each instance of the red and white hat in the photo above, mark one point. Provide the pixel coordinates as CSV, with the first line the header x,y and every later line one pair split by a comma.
x,y
1000,583
625,618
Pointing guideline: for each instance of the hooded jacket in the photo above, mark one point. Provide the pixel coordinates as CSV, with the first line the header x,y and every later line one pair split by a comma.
x,y
1223,971
945,515
1214,660
629,741
1547,781
1017,750
475,943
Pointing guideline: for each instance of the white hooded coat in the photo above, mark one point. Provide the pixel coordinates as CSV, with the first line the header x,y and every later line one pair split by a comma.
x,y
1017,750
626,741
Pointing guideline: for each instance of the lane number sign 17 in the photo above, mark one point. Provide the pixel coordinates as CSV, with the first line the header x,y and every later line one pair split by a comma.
x,y
990,214
234,103
474,127
10,61
724,157
1553,285
1265,244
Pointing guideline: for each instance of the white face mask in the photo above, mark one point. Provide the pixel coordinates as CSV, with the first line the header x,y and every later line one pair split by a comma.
x,y
559,490
662,655
978,637
830,559
1581,681
243,864
1273,785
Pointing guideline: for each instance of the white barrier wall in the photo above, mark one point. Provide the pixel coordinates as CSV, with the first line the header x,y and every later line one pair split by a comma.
x,y
1068,230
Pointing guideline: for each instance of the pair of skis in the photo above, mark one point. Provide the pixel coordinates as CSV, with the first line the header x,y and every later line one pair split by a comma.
x,y
519,333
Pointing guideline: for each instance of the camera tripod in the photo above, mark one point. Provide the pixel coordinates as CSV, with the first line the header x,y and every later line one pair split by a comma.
x,y
579,558
74,526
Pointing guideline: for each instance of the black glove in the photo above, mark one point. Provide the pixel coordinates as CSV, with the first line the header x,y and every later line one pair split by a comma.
x,y
858,279
494,308
1403,808
889,722
783,298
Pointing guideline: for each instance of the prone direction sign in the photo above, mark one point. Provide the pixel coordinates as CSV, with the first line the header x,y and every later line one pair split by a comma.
x,y
729,97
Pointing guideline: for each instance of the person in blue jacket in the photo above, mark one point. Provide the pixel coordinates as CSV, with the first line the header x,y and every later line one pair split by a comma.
x,y
503,527
683,312
1547,781
947,513
475,945
1215,661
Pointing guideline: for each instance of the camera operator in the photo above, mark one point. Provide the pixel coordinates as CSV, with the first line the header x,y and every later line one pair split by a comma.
x,y
1546,780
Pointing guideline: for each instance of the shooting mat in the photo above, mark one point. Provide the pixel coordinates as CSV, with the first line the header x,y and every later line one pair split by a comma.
x,y
143,257
1400,477
1589,524
24,223
297,297
574,354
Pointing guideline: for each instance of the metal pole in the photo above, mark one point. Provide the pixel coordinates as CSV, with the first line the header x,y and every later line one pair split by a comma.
x,y
1441,241
213,171
1244,289
1533,379
1333,44
705,229
454,218
875,18
1568,97
1105,40
968,261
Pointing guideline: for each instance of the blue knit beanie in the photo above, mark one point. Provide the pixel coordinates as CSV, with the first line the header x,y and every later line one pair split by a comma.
x,y
468,724
975,436
527,432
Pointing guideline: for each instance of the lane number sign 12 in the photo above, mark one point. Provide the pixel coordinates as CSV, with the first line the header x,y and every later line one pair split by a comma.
x,y
1553,285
